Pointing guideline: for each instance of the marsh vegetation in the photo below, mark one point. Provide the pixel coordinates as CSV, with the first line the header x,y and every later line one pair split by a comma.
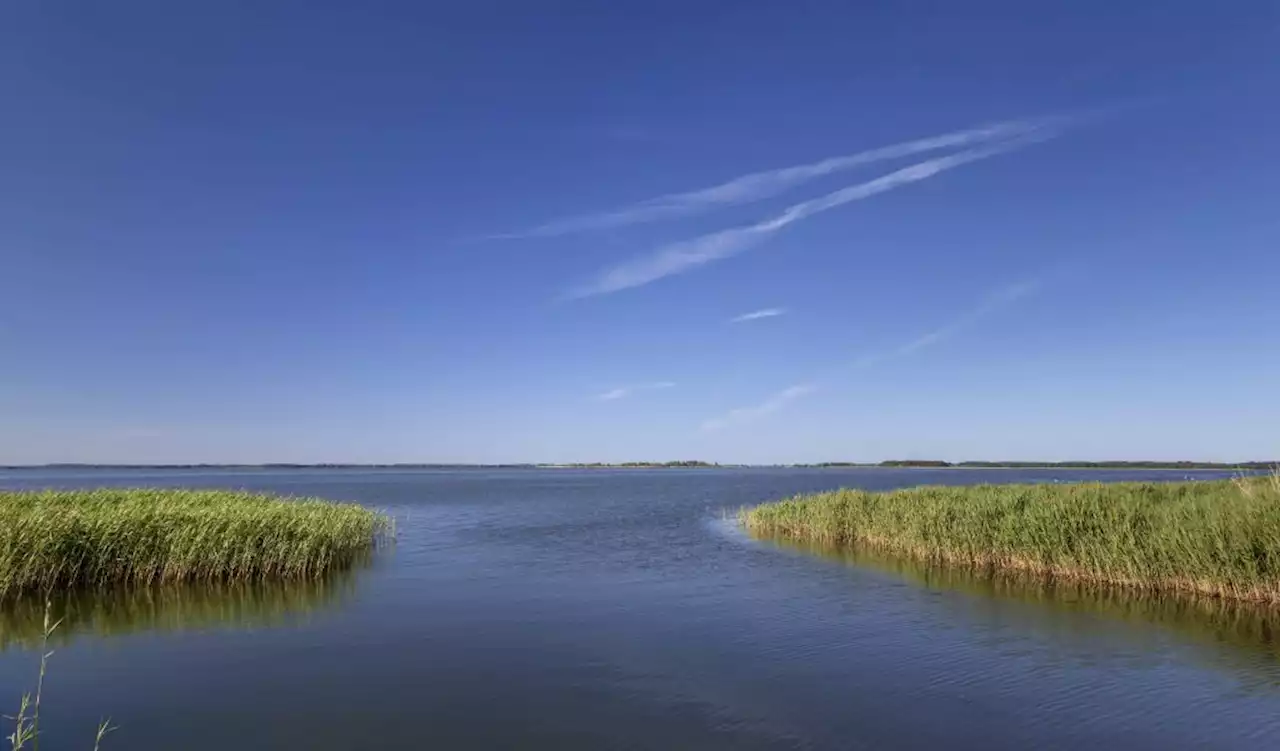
x,y
1219,538
52,540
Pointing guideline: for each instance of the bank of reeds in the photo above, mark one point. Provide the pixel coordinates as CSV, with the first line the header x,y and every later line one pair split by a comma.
x,y
1220,539
56,539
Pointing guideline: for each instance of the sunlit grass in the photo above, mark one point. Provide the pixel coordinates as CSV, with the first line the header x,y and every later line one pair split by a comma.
x,y
50,540
1209,538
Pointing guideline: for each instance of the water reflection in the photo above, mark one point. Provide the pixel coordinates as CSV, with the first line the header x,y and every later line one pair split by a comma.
x,y
1241,634
170,608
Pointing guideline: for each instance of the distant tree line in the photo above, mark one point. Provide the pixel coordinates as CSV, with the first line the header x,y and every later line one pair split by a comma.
x,y
1080,464
692,463
675,464
268,465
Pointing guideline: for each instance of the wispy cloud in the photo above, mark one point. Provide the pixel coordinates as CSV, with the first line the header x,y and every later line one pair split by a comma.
x,y
760,185
139,433
624,391
756,315
680,257
772,404
991,303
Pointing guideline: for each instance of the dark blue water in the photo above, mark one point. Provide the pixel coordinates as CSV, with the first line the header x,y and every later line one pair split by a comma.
x,y
566,609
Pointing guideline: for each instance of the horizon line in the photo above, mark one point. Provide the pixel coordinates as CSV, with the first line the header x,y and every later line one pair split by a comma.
x,y
900,463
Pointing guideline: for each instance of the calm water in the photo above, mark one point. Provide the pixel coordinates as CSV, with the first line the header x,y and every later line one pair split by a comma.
x,y
566,609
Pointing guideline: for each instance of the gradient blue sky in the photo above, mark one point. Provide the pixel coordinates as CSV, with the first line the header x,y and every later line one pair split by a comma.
x,y
301,231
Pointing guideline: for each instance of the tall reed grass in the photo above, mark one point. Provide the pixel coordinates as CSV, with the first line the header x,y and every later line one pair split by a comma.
x,y
53,539
1219,539
26,723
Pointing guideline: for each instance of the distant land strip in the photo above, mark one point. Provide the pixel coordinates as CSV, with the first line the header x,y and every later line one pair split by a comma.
x,y
694,464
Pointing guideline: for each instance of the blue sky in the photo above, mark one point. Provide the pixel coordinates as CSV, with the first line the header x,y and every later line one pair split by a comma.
x,y
761,232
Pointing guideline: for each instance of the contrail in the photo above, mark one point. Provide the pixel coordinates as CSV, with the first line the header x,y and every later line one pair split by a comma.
x,y
625,391
993,302
756,315
680,257
760,185
768,406
1000,299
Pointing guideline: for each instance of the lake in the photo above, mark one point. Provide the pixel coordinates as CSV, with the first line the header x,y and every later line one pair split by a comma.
x,y
585,609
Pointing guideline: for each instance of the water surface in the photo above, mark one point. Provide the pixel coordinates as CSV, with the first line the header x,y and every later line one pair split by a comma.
x,y
618,609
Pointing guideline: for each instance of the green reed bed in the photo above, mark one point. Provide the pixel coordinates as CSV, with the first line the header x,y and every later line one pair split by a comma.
x,y
1207,538
88,538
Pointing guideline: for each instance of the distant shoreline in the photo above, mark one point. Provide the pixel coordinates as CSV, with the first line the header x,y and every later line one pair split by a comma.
x,y
904,464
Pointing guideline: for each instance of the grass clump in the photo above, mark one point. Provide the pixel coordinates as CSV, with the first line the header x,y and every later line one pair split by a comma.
x,y
55,539
1219,539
